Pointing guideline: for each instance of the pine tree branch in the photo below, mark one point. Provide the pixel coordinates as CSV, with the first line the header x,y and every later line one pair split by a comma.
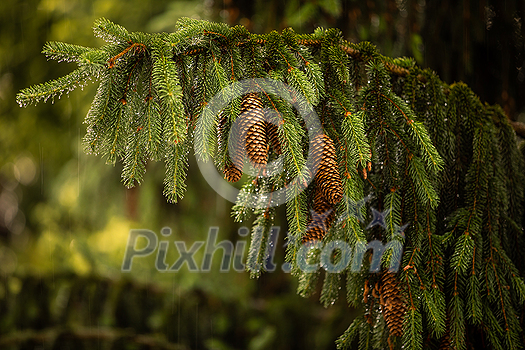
x,y
137,47
356,54
432,154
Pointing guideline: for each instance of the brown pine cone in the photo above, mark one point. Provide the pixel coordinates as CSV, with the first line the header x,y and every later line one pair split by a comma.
x,y
233,168
232,173
392,304
321,219
445,343
272,131
315,233
253,128
222,139
327,176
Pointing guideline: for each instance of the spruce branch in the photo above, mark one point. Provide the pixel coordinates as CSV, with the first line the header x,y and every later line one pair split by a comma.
x,y
56,88
110,32
444,168
63,52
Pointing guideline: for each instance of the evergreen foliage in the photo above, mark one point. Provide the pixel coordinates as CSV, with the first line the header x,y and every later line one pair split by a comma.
x,y
440,172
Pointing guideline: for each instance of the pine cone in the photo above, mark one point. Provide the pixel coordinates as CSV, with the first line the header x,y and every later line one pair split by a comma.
x,y
314,234
222,139
322,218
272,131
253,126
392,304
232,171
445,343
321,206
250,137
327,176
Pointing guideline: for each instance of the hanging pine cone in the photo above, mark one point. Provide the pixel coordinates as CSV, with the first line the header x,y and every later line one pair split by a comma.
x,y
445,342
233,168
249,136
321,206
322,218
445,339
273,137
327,176
254,127
232,173
222,139
392,304
314,234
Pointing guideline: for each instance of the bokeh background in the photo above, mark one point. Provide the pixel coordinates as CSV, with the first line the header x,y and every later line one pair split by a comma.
x,y
65,216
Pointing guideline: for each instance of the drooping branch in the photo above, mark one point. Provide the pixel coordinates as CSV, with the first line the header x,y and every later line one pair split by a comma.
x,y
439,171
354,53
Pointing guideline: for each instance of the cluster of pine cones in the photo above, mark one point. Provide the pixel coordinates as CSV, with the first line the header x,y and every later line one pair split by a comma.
x,y
254,138
256,135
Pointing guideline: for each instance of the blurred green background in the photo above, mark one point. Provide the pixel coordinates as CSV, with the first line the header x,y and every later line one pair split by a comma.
x,y
65,216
